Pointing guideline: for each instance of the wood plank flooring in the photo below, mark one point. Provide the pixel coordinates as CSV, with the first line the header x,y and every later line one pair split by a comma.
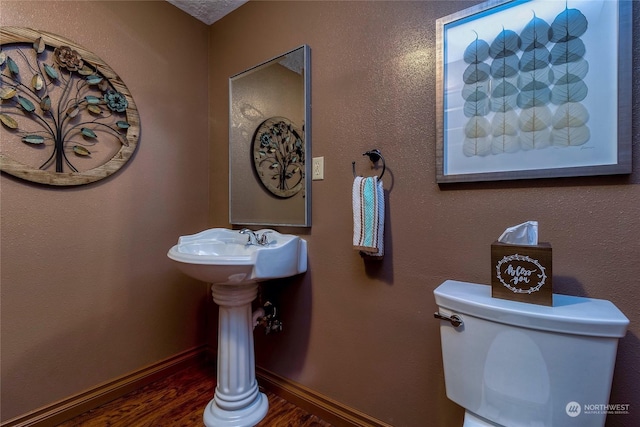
x,y
179,401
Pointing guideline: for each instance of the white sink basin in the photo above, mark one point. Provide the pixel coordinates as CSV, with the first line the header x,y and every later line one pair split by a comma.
x,y
220,255
233,263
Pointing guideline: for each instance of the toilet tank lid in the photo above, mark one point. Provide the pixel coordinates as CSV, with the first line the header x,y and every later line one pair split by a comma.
x,y
569,314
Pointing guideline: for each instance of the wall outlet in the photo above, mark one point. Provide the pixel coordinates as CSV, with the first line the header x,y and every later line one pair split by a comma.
x,y
318,168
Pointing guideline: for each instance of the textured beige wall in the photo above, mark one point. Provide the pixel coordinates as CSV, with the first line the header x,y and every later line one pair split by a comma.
x,y
363,333
88,293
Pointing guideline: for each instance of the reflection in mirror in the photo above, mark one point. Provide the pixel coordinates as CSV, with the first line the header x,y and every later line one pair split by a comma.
x,y
269,142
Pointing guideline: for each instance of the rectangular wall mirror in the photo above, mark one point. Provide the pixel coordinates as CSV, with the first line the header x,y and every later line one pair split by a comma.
x,y
269,142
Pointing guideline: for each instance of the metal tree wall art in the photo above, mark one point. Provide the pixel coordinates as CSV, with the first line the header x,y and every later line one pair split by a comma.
x,y
278,156
67,118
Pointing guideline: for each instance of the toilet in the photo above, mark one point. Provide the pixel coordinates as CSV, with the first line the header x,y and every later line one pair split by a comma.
x,y
515,364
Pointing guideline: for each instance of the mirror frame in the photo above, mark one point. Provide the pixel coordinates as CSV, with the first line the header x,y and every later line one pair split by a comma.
x,y
307,140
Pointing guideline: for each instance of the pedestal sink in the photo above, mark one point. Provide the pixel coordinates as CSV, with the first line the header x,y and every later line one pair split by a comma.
x,y
233,261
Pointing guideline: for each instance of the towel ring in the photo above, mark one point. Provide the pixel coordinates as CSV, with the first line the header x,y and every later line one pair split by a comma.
x,y
374,156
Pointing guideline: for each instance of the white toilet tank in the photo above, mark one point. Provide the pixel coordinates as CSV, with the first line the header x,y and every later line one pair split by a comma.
x,y
514,364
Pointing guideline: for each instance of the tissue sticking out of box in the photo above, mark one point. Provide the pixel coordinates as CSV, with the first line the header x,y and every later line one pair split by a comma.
x,y
521,234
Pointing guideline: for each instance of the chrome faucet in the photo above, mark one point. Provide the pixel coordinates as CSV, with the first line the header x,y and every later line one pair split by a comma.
x,y
255,238
252,238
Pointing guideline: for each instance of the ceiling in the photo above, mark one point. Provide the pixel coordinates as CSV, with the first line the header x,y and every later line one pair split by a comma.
x,y
207,11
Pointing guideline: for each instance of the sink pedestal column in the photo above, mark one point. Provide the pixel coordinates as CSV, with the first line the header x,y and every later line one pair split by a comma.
x,y
237,401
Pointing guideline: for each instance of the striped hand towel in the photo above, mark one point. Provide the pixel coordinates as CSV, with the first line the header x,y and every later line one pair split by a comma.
x,y
368,216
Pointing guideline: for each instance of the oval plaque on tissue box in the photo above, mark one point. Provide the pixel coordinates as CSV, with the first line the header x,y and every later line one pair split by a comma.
x,y
522,272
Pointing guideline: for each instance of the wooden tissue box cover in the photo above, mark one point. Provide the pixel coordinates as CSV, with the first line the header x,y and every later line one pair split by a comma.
x,y
522,273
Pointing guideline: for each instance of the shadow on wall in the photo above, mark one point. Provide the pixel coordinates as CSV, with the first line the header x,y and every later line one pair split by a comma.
x,y
285,352
568,286
626,382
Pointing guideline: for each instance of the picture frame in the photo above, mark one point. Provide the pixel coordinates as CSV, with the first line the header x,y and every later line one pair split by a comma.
x,y
534,89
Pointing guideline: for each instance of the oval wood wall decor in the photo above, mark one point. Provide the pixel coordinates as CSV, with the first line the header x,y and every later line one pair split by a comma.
x,y
278,156
66,117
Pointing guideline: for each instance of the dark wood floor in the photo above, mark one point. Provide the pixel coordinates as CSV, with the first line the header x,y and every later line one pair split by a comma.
x,y
179,400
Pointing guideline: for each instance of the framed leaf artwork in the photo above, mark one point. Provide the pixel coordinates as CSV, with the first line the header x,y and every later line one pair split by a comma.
x,y
66,117
534,89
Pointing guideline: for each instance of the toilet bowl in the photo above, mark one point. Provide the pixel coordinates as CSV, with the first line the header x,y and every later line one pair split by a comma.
x,y
512,364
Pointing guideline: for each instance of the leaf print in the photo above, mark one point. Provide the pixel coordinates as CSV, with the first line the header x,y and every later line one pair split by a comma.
x,y
504,103
544,76
480,107
534,94
534,119
534,59
505,133
529,71
570,51
567,25
477,127
534,80
507,43
535,34
504,88
534,85
505,123
477,141
477,95
534,125
571,114
476,52
505,144
568,79
535,140
469,90
477,146
504,96
572,92
476,73
578,68
570,136
505,66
